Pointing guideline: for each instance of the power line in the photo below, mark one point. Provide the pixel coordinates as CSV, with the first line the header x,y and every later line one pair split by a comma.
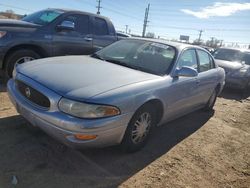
x,y
119,13
128,8
206,29
15,7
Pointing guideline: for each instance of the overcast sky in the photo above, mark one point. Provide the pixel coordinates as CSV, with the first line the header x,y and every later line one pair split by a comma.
x,y
223,19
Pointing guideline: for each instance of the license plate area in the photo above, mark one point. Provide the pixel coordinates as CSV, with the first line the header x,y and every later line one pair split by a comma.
x,y
26,114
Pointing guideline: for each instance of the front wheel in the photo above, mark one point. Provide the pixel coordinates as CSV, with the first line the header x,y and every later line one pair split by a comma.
x,y
19,57
139,129
210,104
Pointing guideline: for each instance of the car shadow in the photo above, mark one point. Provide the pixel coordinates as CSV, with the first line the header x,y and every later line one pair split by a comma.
x,y
2,88
3,82
234,94
106,167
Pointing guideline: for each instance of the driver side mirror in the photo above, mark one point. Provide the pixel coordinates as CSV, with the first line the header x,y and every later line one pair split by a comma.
x,y
66,25
185,72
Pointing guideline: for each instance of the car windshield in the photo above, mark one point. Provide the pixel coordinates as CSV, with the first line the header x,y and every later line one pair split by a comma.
x,y
232,55
147,56
42,17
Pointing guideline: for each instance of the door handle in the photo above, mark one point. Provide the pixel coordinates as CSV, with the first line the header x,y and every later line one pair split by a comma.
x,y
88,38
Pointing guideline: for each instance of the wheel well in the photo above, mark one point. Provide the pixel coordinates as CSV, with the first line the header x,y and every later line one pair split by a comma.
x,y
35,48
158,107
218,88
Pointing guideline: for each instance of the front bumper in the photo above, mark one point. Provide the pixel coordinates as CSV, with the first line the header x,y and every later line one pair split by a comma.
x,y
63,127
237,82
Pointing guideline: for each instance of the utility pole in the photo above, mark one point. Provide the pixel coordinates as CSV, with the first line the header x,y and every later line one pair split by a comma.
x,y
200,33
145,21
221,42
126,29
98,6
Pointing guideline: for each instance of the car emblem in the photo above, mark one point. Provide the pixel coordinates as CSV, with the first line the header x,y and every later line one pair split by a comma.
x,y
27,92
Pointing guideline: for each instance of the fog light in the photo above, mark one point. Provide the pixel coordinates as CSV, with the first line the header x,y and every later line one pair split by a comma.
x,y
85,137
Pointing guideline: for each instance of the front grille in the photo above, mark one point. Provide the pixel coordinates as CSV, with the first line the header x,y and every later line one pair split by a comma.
x,y
33,95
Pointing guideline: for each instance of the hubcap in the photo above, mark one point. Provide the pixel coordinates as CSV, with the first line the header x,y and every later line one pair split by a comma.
x,y
141,128
24,60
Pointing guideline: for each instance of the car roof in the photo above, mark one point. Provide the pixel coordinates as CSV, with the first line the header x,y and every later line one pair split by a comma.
x,y
180,46
77,11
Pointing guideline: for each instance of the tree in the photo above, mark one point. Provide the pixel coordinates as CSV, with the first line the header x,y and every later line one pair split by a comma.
x,y
214,43
198,42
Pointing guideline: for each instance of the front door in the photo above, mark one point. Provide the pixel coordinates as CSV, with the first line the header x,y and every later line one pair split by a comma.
x,y
183,93
77,41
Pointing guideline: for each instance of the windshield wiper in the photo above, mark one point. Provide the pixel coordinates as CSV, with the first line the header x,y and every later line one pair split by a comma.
x,y
95,55
122,63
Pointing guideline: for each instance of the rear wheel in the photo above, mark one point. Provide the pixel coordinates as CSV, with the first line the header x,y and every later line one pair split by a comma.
x,y
19,57
139,129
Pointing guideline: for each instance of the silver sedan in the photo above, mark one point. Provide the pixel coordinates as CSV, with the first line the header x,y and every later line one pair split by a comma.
x,y
117,95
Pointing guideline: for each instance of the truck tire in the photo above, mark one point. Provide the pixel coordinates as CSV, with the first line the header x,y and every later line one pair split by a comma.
x,y
19,57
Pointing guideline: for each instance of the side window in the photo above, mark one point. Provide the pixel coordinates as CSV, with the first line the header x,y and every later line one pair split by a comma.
x,y
81,23
100,27
84,24
205,61
188,58
74,19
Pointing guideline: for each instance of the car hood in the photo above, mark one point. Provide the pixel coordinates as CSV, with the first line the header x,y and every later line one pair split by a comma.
x,y
81,77
229,65
16,23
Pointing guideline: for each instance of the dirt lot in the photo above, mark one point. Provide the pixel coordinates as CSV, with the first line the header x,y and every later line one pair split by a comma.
x,y
198,150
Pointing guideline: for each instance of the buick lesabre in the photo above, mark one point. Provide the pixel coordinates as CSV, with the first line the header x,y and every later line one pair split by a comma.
x,y
117,95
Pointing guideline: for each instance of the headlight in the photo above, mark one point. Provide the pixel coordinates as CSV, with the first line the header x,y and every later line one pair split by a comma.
x,y
242,71
84,110
2,33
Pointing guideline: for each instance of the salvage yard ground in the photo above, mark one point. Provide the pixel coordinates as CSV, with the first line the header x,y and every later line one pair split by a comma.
x,y
198,150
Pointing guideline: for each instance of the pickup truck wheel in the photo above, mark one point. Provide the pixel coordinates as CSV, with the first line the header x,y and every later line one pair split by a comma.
x,y
19,57
210,104
139,129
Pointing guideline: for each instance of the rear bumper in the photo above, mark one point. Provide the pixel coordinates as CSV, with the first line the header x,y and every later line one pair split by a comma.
x,y
63,127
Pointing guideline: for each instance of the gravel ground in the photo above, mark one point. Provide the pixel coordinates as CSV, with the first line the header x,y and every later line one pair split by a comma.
x,y
198,150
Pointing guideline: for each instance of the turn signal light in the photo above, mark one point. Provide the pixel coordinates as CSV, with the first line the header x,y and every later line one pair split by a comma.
x,y
85,137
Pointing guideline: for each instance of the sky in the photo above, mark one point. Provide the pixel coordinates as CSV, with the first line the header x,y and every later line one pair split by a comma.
x,y
227,20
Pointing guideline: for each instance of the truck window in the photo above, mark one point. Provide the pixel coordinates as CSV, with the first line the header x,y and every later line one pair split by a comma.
x,y
81,23
100,27
84,24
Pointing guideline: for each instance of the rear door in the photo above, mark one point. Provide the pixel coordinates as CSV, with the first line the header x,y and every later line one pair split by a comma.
x,y
207,75
103,33
73,42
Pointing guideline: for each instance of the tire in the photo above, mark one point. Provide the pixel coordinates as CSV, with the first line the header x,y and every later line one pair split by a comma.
x,y
137,135
210,104
19,56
